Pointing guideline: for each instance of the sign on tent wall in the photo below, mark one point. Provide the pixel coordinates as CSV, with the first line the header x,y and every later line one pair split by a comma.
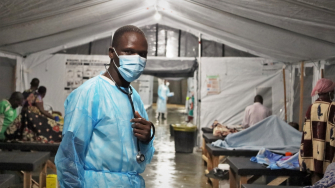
x,y
61,74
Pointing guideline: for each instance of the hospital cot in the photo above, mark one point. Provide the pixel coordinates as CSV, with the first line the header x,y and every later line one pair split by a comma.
x,y
215,154
26,162
242,167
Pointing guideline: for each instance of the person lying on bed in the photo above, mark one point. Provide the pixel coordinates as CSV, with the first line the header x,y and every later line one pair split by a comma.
x,y
35,123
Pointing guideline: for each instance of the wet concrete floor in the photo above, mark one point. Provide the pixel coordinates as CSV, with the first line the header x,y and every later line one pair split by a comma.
x,y
169,169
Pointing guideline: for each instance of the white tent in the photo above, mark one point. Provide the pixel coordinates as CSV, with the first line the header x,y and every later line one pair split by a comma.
x,y
286,31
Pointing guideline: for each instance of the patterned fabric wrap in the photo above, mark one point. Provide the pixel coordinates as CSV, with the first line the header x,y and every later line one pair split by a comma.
x,y
31,126
318,140
328,180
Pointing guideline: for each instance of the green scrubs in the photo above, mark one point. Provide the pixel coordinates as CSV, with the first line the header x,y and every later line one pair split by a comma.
x,y
7,117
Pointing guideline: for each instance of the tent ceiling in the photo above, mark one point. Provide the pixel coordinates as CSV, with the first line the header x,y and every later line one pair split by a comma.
x,y
287,30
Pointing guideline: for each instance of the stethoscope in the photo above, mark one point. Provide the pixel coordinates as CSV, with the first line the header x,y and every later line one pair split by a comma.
x,y
139,157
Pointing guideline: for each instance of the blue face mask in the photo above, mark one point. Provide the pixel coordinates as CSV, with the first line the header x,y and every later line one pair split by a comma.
x,y
131,66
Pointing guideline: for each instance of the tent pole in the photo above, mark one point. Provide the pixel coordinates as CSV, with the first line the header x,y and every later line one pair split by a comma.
x,y
284,80
301,116
199,90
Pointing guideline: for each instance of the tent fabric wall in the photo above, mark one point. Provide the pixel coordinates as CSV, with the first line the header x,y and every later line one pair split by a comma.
x,y
288,31
20,84
308,87
329,71
239,78
7,77
50,70
150,34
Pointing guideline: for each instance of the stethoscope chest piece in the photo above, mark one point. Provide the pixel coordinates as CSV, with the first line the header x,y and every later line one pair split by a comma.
x,y
140,157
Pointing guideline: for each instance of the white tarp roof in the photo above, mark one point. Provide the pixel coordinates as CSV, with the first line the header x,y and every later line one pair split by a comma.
x,y
285,30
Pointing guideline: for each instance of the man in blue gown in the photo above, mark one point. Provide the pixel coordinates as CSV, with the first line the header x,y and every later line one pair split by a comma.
x,y
101,136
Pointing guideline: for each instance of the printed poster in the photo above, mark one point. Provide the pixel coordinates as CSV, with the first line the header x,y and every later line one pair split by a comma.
x,y
79,70
213,85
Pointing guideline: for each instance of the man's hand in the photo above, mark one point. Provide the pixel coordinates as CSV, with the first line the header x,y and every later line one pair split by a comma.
x,y
141,128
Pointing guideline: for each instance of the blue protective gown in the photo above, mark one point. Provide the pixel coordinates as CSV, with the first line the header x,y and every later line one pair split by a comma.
x,y
163,92
98,147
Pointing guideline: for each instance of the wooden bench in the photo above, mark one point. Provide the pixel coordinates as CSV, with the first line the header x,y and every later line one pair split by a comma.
x,y
29,146
27,162
242,167
208,138
6,180
215,154
207,130
33,146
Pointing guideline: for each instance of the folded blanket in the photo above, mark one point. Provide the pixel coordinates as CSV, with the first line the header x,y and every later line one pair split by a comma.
x,y
276,161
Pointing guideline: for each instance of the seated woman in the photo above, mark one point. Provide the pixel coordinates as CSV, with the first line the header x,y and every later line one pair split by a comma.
x,y
35,123
8,112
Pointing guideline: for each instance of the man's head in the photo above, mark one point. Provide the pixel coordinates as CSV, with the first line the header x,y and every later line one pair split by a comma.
x,y
259,99
16,99
34,83
128,40
42,91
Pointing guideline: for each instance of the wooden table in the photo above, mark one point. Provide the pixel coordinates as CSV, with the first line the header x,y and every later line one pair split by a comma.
x,y
207,130
214,154
26,162
241,167
208,138
29,146
6,180
266,186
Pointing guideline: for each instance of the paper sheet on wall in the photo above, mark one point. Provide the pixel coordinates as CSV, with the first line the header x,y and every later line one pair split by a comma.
x,y
74,70
80,70
213,85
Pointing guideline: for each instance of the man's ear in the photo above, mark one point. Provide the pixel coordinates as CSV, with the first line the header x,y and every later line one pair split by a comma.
x,y
110,52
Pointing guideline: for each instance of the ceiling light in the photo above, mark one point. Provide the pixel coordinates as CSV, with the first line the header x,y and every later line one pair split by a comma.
x,y
157,16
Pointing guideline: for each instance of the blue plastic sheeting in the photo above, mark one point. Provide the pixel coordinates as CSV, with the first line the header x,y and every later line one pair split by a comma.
x,y
276,161
98,147
272,133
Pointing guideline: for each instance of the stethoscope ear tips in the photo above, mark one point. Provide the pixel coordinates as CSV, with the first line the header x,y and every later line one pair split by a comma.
x,y
140,157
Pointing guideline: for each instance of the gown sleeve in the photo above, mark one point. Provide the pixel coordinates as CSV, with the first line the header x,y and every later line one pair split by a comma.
x,y
160,93
78,128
